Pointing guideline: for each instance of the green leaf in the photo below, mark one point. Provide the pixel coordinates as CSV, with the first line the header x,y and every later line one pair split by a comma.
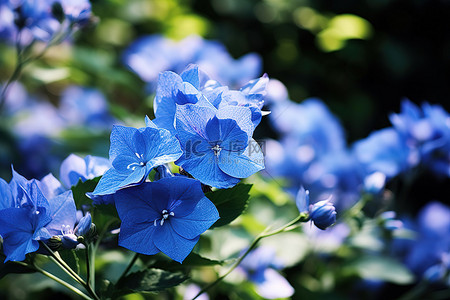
x,y
101,214
230,202
161,261
71,258
380,268
149,280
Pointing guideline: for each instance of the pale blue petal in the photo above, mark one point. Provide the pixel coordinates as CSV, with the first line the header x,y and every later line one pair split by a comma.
x,y
122,141
6,199
162,147
72,169
242,165
172,244
137,176
193,118
149,123
203,216
164,103
186,93
242,115
274,286
50,186
302,200
109,183
63,212
96,166
191,75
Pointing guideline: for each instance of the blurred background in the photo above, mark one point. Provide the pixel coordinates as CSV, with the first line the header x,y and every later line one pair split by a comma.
x,y
361,58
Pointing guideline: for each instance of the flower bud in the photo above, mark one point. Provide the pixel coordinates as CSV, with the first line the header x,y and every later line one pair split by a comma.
x,y
84,225
162,172
323,214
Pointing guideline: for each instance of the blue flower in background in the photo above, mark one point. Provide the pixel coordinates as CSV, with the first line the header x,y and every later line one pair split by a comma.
x,y
75,168
426,129
133,154
85,107
385,151
167,215
150,55
428,252
260,267
217,144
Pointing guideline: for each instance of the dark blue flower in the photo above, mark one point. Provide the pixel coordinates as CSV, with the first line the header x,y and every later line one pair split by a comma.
x,y
217,144
167,215
133,154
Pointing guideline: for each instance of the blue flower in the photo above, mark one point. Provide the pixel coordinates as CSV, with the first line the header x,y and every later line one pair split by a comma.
x,y
167,215
427,130
23,225
195,87
260,267
217,144
85,107
133,154
75,168
385,151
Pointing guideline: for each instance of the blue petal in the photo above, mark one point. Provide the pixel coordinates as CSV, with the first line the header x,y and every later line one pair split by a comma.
x,y
84,225
186,93
16,228
162,147
72,169
109,183
182,194
6,199
203,216
164,103
205,168
227,133
149,123
122,142
191,75
63,212
135,209
242,165
193,118
172,244
242,115
302,200
96,166
50,186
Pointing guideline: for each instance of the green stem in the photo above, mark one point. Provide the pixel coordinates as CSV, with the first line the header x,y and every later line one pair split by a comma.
x,y
65,267
130,265
90,266
266,233
58,280
416,292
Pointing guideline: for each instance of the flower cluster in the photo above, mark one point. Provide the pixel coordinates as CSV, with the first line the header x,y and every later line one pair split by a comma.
x,y
313,153
33,211
203,127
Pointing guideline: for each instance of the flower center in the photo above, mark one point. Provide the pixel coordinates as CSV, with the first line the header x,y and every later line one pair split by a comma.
x,y
216,150
142,163
66,229
164,216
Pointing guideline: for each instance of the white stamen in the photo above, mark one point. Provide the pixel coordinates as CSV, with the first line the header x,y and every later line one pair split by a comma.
x,y
165,216
216,150
154,223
